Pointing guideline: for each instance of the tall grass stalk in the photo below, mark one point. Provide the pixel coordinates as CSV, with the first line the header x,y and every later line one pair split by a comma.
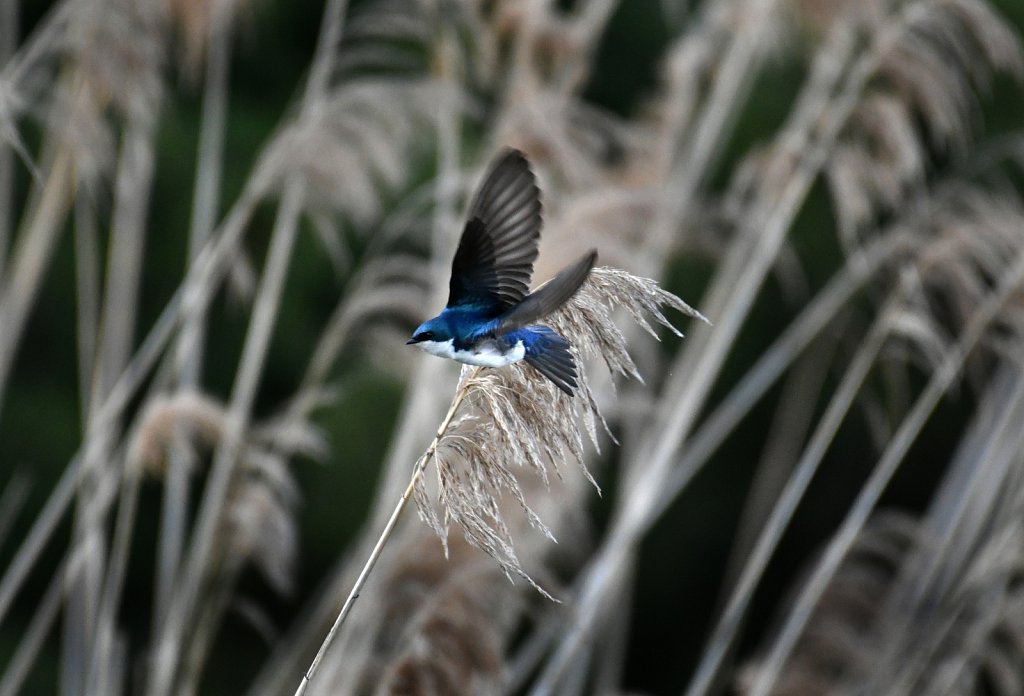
x,y
205,203
31,645
265,310
30,256
225,464
9,23
947,371
782,512
421,465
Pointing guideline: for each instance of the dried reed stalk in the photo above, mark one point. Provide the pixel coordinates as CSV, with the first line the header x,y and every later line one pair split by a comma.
x,y
364,574
217,36
949,368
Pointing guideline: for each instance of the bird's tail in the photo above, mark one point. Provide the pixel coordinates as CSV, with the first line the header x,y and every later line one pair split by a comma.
x,y
549,354
550,296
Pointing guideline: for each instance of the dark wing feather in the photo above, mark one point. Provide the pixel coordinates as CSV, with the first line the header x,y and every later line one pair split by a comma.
x,y
494,262
550,296
551,357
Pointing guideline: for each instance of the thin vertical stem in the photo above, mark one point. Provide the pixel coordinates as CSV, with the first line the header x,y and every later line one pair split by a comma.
x,y
105,653
31,642
11,501
87,297
869,494
9,22
32,252
225,462
189,351
120,308
778,521
224,468
127,245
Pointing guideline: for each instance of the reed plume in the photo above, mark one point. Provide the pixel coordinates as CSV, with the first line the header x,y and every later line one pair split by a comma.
x,y
512,419
503,419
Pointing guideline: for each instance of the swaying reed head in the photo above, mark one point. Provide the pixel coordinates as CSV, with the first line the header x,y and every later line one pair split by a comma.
x,y
260,513
900,617
508,418
838,643
441,624
354,144
926,101
97,66
199,21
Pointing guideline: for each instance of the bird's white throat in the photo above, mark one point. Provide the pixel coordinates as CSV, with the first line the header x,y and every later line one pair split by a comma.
x,y
485,354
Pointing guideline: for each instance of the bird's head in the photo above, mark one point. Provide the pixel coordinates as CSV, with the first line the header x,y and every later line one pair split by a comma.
x,y
431,336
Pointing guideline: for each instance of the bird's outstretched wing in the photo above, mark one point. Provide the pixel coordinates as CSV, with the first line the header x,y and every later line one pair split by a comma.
x,y
550,296
494,262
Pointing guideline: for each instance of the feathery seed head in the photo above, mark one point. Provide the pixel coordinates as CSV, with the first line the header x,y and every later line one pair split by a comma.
x,y
191,412
840,644
199,19
260,523
355,143
512,418
968,242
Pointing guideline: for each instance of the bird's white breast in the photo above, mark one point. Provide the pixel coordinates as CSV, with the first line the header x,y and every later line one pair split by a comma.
x,y
485,354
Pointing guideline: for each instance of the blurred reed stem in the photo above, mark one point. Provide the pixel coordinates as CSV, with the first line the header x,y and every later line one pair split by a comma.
x,y
191,340
103,676
125,253
31,255
801,393
703,145
840,402
254,351
87,298
9,23
12,500
894,453
31,643
225,464
115,346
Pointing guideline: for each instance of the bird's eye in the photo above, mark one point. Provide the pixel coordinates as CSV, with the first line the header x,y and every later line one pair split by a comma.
x,y
425,336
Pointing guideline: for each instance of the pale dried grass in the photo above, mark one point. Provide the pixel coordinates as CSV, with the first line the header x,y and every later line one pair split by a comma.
x,y
891,85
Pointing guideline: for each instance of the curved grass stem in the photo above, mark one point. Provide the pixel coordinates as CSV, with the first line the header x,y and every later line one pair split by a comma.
x,y
421,465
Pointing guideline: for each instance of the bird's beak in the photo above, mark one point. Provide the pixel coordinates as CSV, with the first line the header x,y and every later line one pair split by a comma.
x,y
411,341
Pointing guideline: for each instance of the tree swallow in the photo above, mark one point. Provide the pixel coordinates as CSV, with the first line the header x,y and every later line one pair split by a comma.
x,y
489,318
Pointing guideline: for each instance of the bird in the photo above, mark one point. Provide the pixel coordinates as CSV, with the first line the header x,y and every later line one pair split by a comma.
x,y
491,319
